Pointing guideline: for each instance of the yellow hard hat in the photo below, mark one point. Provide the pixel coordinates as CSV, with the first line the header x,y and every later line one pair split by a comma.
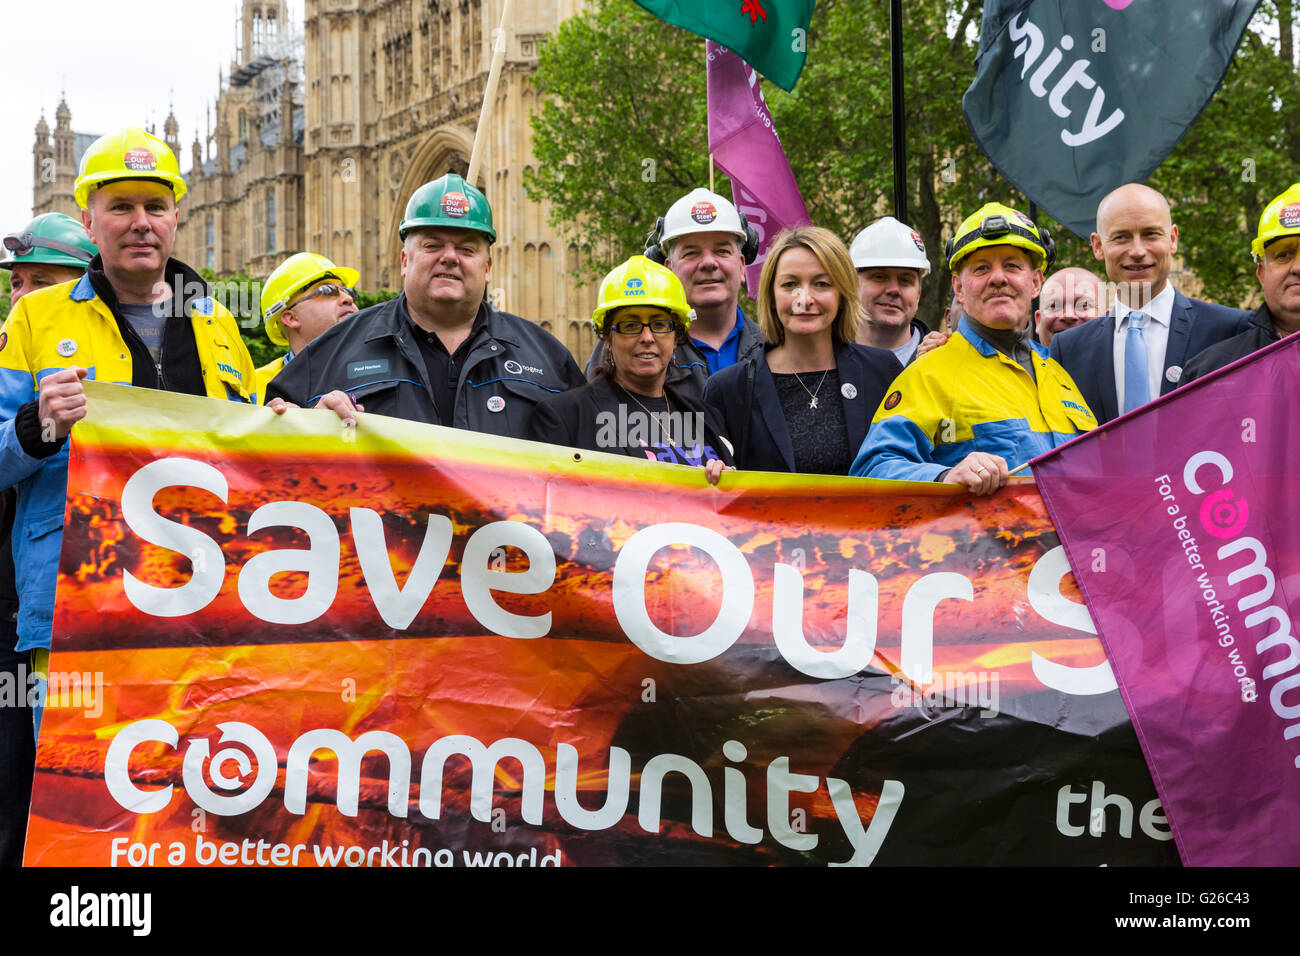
x,y
641,282
292,276
997,225
130,153
1280,218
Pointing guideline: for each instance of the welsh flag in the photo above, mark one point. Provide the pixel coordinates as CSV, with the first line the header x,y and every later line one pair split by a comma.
x,y
770,35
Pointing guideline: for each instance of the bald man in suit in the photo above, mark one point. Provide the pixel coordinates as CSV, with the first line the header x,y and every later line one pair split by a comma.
x,y
1136,351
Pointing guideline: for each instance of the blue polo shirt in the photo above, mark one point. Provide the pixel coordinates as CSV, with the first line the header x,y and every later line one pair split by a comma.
x,y
722,357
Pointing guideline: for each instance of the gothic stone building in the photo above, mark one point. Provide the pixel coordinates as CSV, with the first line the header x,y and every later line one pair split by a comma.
x,y
320,136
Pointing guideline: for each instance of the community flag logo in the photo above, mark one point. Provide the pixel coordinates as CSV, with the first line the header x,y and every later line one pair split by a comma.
x,y
770,35
1063,104
1189,569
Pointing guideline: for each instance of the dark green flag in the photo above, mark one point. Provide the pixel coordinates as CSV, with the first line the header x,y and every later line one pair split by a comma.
x,y
770,35
1074,98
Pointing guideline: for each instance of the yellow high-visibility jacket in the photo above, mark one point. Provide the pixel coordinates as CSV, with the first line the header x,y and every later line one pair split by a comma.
x,y
967,396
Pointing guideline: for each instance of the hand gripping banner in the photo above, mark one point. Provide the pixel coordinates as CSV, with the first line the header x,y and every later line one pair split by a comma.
x,y
280,642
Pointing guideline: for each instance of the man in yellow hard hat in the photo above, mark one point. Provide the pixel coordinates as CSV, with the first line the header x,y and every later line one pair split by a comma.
x,y
440,352
136,317
1276,249
991,398
303,297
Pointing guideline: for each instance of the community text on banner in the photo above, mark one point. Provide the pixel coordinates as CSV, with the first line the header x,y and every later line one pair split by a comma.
x,y
297,644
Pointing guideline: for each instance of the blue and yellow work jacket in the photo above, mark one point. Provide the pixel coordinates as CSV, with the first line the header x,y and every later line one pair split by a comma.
x,y
71,325
967,396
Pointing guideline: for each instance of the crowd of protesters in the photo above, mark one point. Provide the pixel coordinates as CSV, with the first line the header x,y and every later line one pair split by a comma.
x,y
836,376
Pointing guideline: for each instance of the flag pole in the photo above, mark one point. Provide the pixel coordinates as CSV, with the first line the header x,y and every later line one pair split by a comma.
x,y
896,85
706,66
489,95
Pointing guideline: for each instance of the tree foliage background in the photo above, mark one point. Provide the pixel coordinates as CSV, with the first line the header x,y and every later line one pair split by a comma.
x,y
622,132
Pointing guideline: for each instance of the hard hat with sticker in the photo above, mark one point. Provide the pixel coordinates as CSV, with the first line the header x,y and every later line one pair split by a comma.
x,y
704,212
1289,216
455,204
140,159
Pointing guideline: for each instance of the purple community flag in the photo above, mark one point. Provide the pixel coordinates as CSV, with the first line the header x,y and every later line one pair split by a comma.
x,y
745,146
1183,530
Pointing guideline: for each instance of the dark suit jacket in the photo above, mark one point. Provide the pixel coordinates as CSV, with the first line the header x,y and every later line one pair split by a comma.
x,y
1087,351
869,370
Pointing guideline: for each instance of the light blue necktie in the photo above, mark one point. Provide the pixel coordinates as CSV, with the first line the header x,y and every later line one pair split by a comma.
x,y
1137,391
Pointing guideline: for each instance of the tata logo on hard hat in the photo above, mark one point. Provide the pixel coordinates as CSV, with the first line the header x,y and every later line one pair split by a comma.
x,y
140,160
704,212
1288,217
455,205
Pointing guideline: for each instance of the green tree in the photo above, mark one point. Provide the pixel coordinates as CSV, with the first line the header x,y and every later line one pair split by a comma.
x,y
1242,151
622,132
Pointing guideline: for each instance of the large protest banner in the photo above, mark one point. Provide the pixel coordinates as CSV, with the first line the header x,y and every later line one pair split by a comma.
x,y
1192,570
403,645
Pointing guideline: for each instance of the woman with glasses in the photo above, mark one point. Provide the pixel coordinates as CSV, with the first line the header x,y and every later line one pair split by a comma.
x,y
804,403
627,409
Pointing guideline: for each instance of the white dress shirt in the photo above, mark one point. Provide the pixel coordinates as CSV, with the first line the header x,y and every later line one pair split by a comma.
x,y
1156,335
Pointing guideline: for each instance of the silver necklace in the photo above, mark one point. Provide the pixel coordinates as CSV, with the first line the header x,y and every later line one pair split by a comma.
x,y
663,421
812,396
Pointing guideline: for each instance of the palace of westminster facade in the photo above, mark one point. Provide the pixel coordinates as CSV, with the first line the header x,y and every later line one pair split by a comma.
x,y
319,139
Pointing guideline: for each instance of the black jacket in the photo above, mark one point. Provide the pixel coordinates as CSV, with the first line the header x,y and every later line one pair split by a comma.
x,y
1261,333
869,370
373,356
181,369
589,417
689,369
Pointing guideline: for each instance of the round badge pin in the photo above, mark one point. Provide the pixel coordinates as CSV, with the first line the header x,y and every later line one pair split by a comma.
x,y
849,390
67,347
496,403
1174,373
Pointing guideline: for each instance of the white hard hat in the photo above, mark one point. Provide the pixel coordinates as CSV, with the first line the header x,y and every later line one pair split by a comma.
x,y
888,242
700,211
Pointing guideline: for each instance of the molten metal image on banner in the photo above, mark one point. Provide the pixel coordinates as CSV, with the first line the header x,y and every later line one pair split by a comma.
x,y
297,644
1191,571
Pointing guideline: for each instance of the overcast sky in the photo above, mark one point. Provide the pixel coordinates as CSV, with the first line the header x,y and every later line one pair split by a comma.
x,y
118,65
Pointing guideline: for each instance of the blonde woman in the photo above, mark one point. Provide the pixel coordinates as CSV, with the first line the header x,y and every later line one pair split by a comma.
x,y
804,403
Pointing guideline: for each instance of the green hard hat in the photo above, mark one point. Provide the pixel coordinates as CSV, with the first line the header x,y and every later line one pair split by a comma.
x,y
448,201
52,239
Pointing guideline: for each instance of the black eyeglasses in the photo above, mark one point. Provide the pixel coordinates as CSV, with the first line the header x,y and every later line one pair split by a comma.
x,y
328,289
636,326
